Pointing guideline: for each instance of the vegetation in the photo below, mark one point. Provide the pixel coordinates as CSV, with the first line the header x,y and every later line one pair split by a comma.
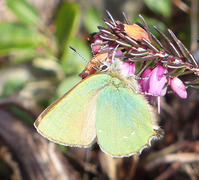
x,y
37,66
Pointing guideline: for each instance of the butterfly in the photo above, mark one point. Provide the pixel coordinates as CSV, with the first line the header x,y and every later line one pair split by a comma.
x,y
105,107
94,64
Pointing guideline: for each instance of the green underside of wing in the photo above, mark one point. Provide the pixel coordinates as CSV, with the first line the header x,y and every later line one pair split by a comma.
x,y
99,104
71,119
123,121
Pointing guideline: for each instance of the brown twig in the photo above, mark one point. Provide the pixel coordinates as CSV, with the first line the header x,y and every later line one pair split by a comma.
x,y
38,158
172,149
189,170
170,158
169,171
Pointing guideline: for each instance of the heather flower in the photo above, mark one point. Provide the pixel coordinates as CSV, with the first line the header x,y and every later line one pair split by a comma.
x,y
127,68
118,53
145,80
135,45
96,45
154,80
112,48
178,87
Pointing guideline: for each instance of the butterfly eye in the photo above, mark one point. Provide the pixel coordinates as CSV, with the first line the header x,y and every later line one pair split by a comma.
x,y
104,68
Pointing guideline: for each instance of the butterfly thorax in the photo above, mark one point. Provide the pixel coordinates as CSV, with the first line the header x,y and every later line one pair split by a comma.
x,y
119,79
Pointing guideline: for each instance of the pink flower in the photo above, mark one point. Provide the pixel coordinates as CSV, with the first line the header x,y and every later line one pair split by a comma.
x,y
145,80
118,53
155,81
128,68
96,45
178,87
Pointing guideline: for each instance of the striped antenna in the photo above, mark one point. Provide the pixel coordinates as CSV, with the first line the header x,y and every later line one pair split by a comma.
x,y
82,57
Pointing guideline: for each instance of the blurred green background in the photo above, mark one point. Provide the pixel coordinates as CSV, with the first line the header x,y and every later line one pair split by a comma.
x,y
36,64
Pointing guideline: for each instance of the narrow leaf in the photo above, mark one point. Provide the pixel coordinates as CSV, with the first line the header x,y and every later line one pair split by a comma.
x,y
67,21
24,11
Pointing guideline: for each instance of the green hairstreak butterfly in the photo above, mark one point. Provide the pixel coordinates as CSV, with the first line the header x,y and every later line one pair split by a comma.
x,y
104,107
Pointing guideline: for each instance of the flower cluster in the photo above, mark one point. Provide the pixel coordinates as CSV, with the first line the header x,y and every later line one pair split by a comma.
x,y
153,81
157,67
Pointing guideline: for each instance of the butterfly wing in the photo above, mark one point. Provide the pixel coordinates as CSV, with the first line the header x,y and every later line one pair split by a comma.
x,y
71,120
124,121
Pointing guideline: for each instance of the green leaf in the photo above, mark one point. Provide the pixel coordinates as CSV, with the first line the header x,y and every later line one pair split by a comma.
x,y
23,55
24,11
161,7
22,114
50,66
92,20
196,81
71,62
67,21
196,86
12,85
62,148
13,79
16,36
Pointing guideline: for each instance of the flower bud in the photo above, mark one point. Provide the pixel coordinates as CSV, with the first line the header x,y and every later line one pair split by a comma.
x,y
178,87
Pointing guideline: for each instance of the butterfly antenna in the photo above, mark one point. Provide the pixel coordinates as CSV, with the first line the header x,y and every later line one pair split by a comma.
x,y
78,53
82,57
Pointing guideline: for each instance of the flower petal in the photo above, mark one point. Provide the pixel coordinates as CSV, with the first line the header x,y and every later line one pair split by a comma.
x,y
144,82
127,68
157,80
178,87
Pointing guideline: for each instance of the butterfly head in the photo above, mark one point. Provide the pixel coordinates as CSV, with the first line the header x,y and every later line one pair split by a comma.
x,y
104,66
112,68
